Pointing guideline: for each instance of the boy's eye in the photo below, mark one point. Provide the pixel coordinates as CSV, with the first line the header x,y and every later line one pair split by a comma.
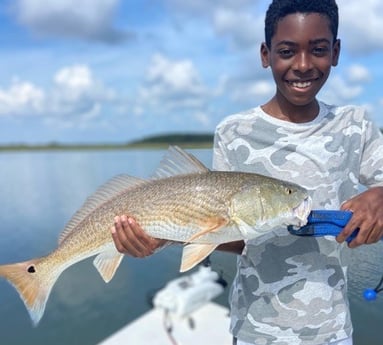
x,y
320,51
285,53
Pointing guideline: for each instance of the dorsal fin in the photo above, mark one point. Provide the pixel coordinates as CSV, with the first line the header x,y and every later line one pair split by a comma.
x,y
107,191
178,162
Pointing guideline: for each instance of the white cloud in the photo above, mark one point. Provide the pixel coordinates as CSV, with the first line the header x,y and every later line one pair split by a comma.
x,y
254,91
174,88
85,19
239,20
206,7
339,91
348,86
176,77
76,91
75,77
173,84
361,25
74,94
358,74
21,98
203,118
245,29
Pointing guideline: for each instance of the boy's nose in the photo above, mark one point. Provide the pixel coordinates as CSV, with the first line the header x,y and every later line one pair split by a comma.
x,y
302,62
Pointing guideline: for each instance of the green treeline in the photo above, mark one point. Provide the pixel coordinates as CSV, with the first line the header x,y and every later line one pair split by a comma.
x,y
173,139
152,142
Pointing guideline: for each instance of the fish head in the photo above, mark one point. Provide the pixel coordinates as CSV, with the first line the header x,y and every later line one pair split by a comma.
x,y
261,207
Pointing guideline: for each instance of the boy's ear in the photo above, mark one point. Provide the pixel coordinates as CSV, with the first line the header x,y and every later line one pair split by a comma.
x,y
336,52
265,55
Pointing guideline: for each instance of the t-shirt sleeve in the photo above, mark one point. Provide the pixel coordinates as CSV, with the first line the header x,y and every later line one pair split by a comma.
x,y
371,167
220,161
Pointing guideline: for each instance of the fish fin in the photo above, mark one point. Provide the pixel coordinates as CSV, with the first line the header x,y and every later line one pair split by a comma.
x,y
33,286
246,230
194,253
107,263
214,224
178,162
110,189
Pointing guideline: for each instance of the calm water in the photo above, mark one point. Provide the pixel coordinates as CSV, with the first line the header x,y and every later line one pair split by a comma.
x,y
40,191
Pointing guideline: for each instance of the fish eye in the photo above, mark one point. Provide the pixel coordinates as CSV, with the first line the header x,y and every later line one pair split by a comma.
x,y
288,191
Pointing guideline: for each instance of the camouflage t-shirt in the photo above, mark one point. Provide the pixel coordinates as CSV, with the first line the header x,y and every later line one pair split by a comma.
x,y
291,290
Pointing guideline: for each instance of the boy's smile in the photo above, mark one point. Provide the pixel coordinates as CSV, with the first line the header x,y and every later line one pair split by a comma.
x,y
301,55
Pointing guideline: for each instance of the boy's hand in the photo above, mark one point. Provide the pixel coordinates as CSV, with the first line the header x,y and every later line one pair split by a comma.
x,y
129,238
367,209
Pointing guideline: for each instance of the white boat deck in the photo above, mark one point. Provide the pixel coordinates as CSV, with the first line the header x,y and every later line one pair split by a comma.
x,y
211,326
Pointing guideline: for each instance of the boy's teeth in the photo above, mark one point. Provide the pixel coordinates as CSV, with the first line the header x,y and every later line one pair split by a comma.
x,y
301,84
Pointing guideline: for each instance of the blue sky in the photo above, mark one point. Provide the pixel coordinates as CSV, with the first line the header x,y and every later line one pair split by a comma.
x,y
116,71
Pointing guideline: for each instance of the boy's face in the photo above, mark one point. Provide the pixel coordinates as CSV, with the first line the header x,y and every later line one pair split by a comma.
x,y
301,55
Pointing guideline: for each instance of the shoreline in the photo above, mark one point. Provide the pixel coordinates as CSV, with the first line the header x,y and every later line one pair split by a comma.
x,y
184,140
103,147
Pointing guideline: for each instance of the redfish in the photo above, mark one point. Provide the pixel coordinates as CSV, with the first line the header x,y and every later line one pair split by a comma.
x,y
183,202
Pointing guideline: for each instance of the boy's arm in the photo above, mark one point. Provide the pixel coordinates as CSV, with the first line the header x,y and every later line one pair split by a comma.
x,y
367,208
232,247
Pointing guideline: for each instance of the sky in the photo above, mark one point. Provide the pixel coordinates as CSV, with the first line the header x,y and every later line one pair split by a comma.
x,y
87,71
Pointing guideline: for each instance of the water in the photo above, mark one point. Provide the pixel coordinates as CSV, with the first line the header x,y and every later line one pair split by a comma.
x,y
40,191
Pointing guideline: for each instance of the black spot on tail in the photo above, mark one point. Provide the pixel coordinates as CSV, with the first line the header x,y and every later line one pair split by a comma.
x,y
31,269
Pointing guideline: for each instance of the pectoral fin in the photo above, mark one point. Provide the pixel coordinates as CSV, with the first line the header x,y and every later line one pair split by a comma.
x,y
213,224
194,253
107,263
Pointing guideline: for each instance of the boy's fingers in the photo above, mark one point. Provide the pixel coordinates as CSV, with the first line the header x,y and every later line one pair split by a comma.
x,y
367,233
347,231
129,238
120,248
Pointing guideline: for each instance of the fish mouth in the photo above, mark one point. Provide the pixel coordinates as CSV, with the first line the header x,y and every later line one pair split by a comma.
x,y
302,211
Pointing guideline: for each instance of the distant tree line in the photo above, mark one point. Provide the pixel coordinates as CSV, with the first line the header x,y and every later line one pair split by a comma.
x,y
156,141
186,138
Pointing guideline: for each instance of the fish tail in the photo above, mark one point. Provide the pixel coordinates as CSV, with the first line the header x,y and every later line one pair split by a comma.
x,y
32,284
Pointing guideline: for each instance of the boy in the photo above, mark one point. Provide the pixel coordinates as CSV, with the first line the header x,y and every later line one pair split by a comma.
x,y
292,290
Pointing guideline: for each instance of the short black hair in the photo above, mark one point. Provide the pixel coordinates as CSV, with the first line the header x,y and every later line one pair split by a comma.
x,y
279,9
